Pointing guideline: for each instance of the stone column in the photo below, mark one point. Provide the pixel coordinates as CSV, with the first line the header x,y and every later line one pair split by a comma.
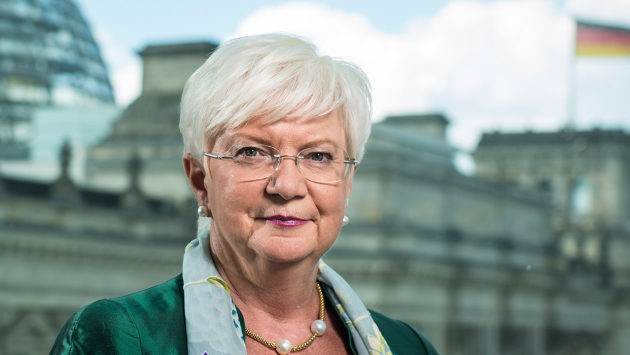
x,y
539,340
491,334
619,342
438,336
2,191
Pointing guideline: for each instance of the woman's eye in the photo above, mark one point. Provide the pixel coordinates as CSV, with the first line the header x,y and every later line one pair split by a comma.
x,y
250,152
319,156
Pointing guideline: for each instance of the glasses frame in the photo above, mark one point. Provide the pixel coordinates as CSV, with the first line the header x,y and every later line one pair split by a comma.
x,y
279,157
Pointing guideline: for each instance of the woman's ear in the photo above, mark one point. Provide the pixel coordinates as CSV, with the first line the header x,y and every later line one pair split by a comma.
x,y
197,177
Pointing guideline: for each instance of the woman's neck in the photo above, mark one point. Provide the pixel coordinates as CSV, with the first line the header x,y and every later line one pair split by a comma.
x,y
278,301
265,289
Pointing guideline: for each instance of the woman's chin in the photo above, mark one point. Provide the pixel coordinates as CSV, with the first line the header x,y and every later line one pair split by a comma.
x,y
282,249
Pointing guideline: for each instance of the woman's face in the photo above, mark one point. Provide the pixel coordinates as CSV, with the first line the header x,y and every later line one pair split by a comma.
x,y
282,218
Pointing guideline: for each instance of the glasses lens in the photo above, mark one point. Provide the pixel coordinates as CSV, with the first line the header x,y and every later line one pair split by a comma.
x,y
252,161
323,164
258,161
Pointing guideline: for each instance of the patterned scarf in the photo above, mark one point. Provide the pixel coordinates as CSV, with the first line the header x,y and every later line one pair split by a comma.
x,y
212,322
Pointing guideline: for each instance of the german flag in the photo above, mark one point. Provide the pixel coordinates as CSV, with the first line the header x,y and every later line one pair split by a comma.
x,y
601,40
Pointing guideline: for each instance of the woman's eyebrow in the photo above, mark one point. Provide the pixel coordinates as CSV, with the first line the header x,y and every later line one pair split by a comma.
x,y
262,140
241,136
319,143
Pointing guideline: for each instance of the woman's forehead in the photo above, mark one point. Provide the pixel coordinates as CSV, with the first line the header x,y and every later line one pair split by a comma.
x,y
322,130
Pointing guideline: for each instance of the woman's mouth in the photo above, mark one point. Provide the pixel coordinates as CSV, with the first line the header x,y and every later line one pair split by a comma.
x,y
285,221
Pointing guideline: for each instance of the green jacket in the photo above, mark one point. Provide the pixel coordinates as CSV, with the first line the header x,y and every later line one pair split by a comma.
x,y
152,322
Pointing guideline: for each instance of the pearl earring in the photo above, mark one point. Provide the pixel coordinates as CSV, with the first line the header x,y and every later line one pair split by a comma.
x,y
202,211
345,221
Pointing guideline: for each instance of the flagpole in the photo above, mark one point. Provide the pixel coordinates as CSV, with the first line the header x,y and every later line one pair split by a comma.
x,y
572,79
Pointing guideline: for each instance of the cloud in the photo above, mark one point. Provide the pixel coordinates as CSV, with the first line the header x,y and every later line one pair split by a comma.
x,y
612,11
126,81
124,67
501,65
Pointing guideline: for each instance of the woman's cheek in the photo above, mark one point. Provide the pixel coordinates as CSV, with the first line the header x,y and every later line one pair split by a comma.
x,y
332,205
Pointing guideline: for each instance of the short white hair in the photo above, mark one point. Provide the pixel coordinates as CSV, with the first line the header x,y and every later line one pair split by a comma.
x,y
273,76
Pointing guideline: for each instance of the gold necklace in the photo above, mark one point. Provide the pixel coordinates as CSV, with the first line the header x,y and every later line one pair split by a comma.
x,y
318,327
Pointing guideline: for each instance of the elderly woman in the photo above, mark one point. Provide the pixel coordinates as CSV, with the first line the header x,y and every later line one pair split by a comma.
x,y
273,135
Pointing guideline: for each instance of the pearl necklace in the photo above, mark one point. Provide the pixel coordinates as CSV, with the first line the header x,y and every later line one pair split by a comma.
x,y
318,328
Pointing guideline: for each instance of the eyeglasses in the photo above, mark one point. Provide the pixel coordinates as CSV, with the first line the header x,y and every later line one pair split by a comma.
x,y
258,161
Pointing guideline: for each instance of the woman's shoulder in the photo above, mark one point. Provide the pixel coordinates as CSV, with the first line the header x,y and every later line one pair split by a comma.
x,y
166,297
402,337
149,321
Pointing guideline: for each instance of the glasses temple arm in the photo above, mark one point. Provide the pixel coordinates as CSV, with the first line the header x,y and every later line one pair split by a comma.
x,y
217,156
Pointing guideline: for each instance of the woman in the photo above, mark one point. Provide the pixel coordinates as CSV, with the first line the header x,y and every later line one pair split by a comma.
x,y
273,134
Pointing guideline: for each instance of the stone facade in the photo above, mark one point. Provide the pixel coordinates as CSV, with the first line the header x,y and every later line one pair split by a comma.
x,y
587,175
62,247
476,264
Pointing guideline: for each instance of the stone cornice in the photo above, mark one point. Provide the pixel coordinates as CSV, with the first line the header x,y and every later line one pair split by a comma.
x,y
56,245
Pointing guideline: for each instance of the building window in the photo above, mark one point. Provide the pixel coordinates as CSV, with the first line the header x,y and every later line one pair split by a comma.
x,y
592,249
581,197
569,246
546,186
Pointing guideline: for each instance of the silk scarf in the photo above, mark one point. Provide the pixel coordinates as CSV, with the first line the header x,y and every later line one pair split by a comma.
x,y
212,322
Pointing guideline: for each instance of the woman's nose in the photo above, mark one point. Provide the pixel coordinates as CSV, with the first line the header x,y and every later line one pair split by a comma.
x,y
287,181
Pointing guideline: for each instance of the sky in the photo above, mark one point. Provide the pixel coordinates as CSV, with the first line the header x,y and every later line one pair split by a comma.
x,y
487,65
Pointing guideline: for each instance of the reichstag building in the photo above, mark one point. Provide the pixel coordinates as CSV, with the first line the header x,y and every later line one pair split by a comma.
x,y
529,256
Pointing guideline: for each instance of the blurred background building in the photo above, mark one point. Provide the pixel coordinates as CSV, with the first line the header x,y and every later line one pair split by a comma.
x,y
48,58
149,126
529,256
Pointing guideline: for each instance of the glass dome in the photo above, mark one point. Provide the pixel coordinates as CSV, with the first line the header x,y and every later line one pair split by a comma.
x,y
48,57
